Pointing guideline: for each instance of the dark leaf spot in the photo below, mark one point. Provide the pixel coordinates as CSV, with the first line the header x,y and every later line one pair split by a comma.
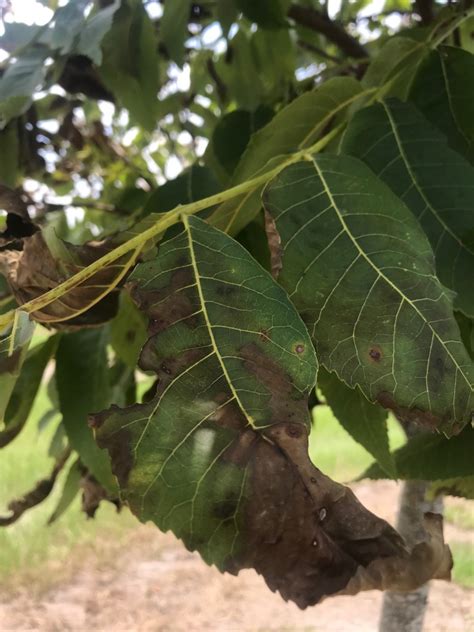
x,y
375,353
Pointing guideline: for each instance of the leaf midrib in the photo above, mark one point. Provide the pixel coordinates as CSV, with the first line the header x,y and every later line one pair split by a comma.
x,y
207,320
380,273
301,145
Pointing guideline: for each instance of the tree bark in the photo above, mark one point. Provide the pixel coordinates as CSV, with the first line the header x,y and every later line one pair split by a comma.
x,y
404,612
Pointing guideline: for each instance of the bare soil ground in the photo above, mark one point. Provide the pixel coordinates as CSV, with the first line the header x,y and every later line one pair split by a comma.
x,y
152,584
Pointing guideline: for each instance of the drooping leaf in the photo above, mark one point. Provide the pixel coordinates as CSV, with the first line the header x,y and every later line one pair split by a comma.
x,y
46,261
69,492
130,62
128,331
361,273
219,454
436,184
83,387
432,458
364,421
173,27
59,442
444,91
13,349
25,389
296,126
35,496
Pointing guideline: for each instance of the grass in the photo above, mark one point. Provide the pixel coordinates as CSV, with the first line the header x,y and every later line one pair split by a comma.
x,y
463,571
30,543
334,452
459,512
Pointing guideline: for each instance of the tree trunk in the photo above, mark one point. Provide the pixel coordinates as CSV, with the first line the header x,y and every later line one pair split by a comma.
x,y
404,612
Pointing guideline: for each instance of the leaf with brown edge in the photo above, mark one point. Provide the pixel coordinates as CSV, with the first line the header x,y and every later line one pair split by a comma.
x,y
361,272
219,453
41,266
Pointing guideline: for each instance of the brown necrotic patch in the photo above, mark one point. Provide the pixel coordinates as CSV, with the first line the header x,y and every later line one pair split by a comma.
x,y
310,537
285,403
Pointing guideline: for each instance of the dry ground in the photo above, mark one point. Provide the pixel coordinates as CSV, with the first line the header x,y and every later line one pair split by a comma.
x,y
154,585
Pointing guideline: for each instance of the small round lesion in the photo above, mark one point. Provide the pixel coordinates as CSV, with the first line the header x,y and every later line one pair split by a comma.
x,y
375,353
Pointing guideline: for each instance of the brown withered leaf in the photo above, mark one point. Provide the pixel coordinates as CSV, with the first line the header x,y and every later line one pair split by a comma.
x,y
35,269
219,453
35,496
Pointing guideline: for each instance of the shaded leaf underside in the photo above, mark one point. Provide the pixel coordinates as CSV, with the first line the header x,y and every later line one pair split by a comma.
x,y
219,455
361,273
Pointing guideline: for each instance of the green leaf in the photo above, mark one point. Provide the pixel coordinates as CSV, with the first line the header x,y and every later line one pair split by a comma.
x,y
193,184
20,80
365,422
298,125
9,156
436,184
94,31
313,111
275,61
130,62
221,367
128,331
173,28
432,458
69,491
232,134
268,14
83,387
219,455
226,13
17,35
396,66
239,73
26,388
13,349
444,91
466,327
67,25
361,273
58,443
